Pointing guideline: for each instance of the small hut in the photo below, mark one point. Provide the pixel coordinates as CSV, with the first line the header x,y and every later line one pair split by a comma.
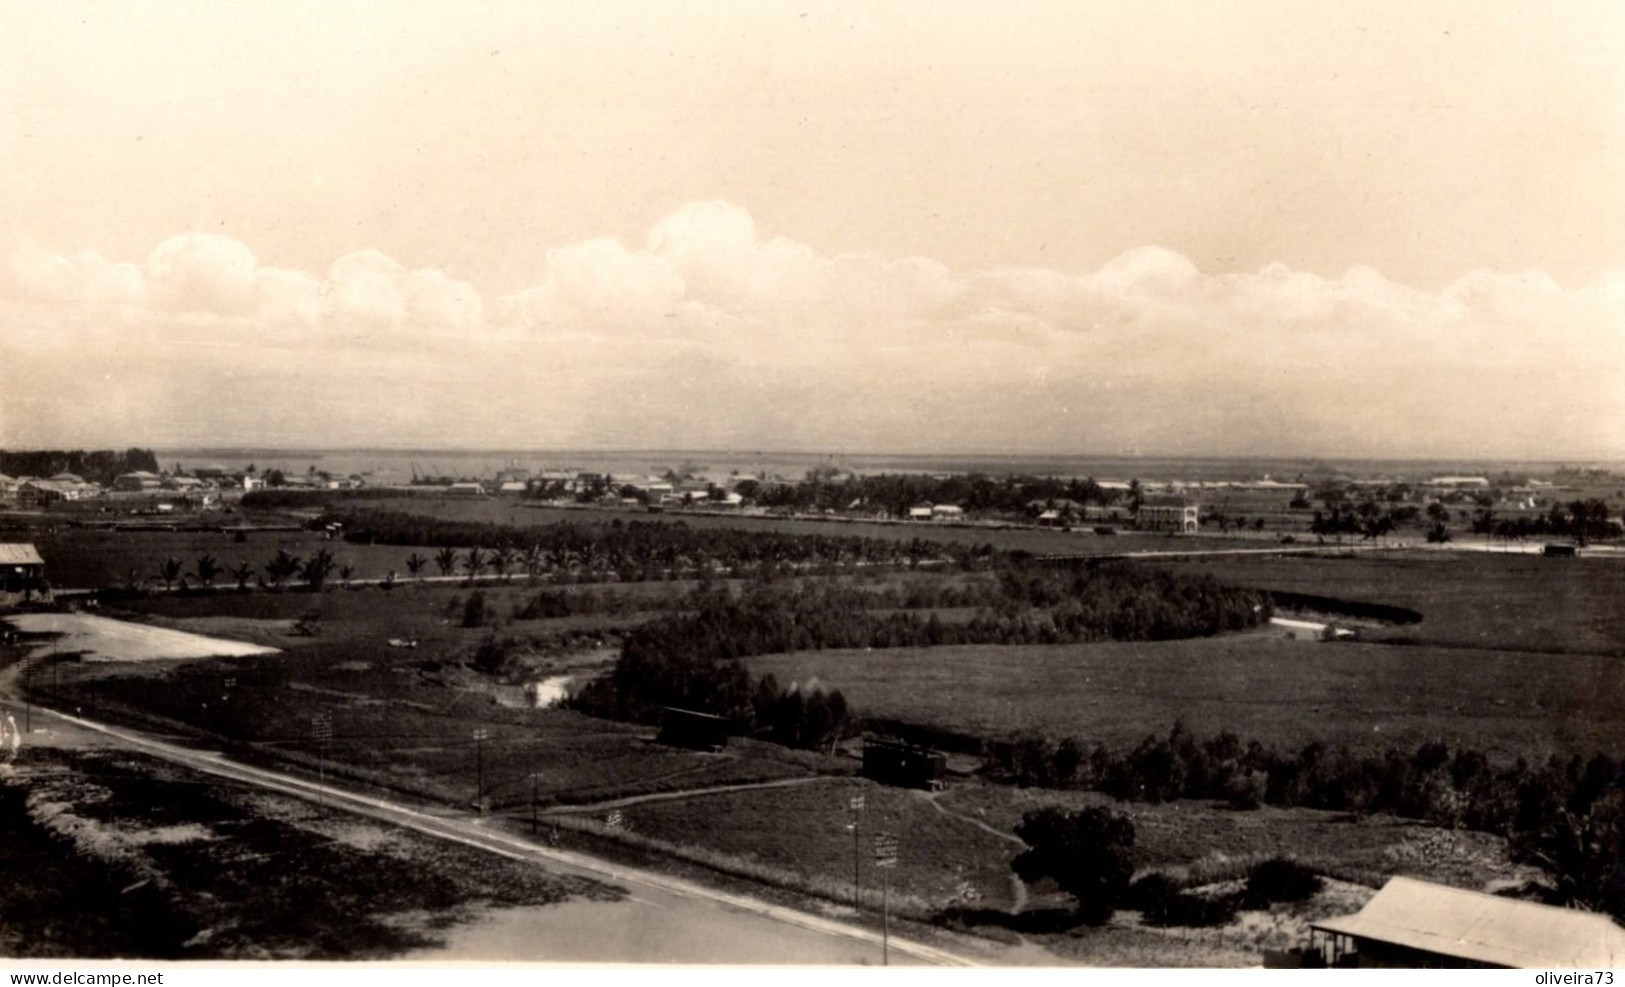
x,y
693,729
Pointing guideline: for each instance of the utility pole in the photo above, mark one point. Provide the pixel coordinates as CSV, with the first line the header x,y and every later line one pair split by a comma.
x,y
885,859
533,803
479,767
321,729
855,803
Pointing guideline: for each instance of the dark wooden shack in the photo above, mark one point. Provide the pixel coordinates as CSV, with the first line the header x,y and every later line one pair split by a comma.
x,y
903,765
692,729
22,571
1561,551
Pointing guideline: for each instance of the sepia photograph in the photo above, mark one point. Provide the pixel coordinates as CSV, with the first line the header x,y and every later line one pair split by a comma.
x,y
703,486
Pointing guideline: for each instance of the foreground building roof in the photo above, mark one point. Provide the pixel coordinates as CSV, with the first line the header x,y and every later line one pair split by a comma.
x,y
1483,928
19,554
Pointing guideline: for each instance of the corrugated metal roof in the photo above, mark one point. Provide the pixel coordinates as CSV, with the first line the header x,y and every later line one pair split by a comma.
x,y
1484,928
19,554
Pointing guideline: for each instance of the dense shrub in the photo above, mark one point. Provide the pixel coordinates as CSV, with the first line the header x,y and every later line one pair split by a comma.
x,y
1089,853
1280,879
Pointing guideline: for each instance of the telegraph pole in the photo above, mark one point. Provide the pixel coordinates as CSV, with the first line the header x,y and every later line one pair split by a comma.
x,y
321,728
885,859
533,803
479,766
855,803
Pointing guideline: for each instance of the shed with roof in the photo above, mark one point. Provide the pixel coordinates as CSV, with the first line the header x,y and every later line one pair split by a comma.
x,y
1417,924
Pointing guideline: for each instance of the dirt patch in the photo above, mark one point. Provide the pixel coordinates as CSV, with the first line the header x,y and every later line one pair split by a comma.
x,y
105,639
149,860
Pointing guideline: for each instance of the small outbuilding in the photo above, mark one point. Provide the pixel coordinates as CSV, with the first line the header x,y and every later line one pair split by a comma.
x,y
1418,925
693,729
1561,551
904,765
22,571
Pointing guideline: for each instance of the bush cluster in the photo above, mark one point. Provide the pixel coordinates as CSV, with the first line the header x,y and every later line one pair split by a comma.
x,y
1448,787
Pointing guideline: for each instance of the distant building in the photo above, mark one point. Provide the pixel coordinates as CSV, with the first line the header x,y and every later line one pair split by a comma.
x,y
903,765
1459,482
688,728
1168,513
1562,551
1417,925
467,489
920,512
39,493
137,481
22,571
513,487
948,511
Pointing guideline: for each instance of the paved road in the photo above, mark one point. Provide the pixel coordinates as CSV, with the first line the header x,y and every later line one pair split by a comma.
x,y
664,919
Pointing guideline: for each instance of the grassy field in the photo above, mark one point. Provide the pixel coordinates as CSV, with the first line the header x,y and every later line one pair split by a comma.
x,y
803,830
402,719
1479,600
117,855
1256,685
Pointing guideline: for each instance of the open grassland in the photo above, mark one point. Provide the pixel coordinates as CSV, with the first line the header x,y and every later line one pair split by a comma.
x,y
1479,600
401,719
804,831
118,855
1286,693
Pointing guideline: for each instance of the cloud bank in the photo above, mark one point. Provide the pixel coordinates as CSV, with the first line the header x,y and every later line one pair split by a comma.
x,y
714,333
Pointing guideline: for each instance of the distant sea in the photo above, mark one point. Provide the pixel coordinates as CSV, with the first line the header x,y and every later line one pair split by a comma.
x,y
388,466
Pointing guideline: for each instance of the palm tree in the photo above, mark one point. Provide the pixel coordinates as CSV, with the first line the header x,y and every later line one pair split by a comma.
x,y
242,574
446,560
282,568
501,558
532,560
415,564
317,569
473,562
170,571
208,567
345,572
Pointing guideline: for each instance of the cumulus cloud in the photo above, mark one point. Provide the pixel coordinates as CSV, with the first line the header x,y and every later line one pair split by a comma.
x,y
710,332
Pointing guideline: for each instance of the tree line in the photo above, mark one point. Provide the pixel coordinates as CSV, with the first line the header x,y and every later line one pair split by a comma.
x,y
640,550
894,493
1563,815
101,467
1583,520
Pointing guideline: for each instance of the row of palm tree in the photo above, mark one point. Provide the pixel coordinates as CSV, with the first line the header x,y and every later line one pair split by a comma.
x,y
315,570
285,566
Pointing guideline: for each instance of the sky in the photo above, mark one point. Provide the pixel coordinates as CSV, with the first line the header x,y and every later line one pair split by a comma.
x,y
1228,227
